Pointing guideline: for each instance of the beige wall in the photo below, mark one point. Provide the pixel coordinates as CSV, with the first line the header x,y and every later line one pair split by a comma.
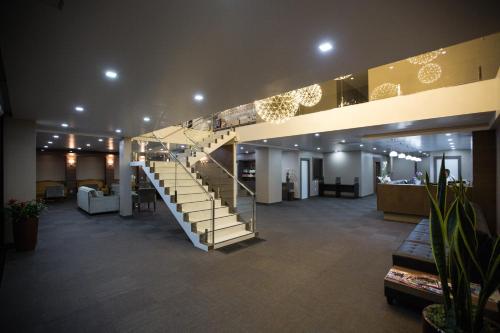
x,y
90,167
268,171
50,166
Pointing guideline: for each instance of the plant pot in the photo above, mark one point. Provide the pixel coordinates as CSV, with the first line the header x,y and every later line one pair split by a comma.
x,y
25,234
432,316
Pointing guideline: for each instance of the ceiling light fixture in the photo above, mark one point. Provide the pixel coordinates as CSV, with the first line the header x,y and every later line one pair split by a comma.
x,y
79,148
318,148
361,145
316,134
277,109
450,139
242,148
423,59
343,140
391,67
64,125
88,144
55,136
296,145
100,140
265,140
401,155
374,148
118,130
49,142
111,74
385,90
393,153
146,119
45,146
309,96
199,97
408,157
429,73
79,108
385,151
325,47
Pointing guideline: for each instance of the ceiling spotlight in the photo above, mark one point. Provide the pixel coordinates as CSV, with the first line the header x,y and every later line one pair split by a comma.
x,y
111,74
453,148
393,153
45,146
401,155
199,97
374,148
146,119
385,151
265,140
79,148
448,134
246,152
352,77
361,145
242,148
49,142
150,149
318,148
443,52
391,67
100,140
316,134
70,151
55,136
88,144
295,145
420,151
118,130
182,146
450,139
64,125
79,108
325,47
343,140
42,149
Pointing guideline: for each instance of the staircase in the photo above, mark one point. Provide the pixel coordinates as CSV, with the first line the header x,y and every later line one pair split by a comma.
x,y
209,220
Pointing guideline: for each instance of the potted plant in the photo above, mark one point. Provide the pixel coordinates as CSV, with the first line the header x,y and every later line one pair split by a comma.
x,y
461,253
24,216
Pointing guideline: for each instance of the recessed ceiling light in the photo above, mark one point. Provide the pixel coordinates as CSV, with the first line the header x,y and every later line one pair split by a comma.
x,y
118,130
361,145
242,148
448,134
246,152
49,142
385,151
343,140
146,119
199,97
45,146
265,140
443,52
64,125
70,151
100,140
391,67
79,108
42,149
161,149
374,148
111,74
352,77
295,145
317,134
79,148
182,146
420,151
318,148
55,136
453,148
325,47
450,139
150,149
88,144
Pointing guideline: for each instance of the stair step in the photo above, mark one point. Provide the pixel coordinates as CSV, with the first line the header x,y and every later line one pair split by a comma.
x,y
195,189
205,214
222,228
173,175
184,198
207,224
225,240
198,205
180,182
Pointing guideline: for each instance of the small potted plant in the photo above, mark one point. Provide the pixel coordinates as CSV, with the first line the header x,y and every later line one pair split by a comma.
x,y
24,216
461,254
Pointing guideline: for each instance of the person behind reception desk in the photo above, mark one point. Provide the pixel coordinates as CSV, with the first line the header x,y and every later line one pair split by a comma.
x,y
449,177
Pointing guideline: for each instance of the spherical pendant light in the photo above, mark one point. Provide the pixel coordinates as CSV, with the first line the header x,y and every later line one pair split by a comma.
x,y
423,58
429,73
385,90
277,109
310,95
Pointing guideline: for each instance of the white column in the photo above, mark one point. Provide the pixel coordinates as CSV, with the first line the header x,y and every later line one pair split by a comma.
x,y
19,163
125,177
268,175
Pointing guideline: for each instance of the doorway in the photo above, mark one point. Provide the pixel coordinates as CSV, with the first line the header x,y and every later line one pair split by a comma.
x,y
304,178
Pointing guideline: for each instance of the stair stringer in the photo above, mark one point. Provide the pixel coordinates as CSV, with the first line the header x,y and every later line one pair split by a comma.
x,y
179,216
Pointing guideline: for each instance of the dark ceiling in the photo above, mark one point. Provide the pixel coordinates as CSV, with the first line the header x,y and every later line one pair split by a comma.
x,y
232,51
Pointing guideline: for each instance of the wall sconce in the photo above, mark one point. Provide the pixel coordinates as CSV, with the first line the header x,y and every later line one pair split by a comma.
x,y
142,158
71,159
110,160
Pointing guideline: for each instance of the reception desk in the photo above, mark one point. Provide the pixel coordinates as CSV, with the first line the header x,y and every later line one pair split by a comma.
x,y
405,202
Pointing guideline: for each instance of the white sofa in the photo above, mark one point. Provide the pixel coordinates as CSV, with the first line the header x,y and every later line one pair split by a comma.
x,y
93,201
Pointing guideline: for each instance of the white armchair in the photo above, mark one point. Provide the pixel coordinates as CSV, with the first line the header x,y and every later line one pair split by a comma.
x,y
93,201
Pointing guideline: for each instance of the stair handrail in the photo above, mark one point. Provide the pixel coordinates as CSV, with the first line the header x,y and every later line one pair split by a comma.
x,y
207,193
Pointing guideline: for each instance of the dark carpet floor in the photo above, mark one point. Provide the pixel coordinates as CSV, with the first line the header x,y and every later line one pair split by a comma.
x,y
319,268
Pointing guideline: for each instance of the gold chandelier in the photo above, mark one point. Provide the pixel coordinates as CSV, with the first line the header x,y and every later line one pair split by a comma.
x,y
429,73
385,90
310,95
278,109
423,59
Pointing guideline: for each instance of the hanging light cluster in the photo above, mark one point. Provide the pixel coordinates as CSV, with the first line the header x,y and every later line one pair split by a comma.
x,y
280,108
385,90
429,73
423,59
310,95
